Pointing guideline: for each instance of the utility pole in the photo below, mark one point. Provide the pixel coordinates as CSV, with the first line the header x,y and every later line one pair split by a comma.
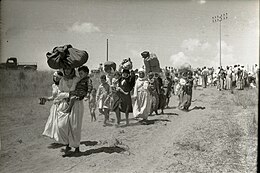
x,y
107,49
219,19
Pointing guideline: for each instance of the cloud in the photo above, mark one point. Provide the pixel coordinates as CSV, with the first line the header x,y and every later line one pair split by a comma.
x,y
202,1
194,52
194,44
179,59
83,28
227,54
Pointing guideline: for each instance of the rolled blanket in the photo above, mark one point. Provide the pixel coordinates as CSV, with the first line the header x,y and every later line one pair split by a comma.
x,y
66,57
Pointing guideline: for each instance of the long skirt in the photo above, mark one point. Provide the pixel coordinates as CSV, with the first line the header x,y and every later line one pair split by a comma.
x,y
184,100
142,105
125,105
65,128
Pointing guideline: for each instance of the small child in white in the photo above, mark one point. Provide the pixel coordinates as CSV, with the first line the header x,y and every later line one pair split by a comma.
x,y
101,98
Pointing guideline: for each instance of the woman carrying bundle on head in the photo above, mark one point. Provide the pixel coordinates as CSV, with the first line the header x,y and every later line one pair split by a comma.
x,y
184,89
125,85
67,129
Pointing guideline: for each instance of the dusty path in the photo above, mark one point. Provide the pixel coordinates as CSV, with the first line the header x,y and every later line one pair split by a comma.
x,y
217,135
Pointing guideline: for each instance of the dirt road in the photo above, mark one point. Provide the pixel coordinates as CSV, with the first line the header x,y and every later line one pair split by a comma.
x,y
218,134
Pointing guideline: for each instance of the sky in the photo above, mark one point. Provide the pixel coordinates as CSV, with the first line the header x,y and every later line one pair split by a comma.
x,y
177,31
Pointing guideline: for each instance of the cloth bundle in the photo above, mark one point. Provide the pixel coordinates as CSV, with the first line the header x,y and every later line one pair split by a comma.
x,y
66,57
126,64
109,65
151,62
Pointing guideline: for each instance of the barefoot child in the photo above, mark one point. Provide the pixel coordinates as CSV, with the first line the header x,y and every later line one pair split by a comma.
x,y
92,104
83,88
101,98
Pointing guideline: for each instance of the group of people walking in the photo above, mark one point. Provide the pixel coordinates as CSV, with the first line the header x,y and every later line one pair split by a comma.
x,y
141,92
123,91
229,78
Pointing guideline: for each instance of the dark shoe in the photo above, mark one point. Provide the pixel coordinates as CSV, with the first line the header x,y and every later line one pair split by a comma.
x,y
77,150
68,148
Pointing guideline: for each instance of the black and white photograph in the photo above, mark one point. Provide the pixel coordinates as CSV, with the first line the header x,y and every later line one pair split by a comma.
x,y
129,86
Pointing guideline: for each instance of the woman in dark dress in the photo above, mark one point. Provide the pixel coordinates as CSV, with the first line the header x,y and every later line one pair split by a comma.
x,y
126,84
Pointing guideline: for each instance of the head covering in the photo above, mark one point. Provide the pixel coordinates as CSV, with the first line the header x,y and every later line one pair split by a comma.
x,y
141,70
145,54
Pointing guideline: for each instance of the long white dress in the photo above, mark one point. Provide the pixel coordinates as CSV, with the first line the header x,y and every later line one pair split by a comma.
x,y
142,104
67,126
50,128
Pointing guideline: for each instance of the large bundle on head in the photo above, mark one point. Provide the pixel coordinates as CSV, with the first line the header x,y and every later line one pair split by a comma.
x,y
66,57
186,66
151,62
185,70
126,64
109,66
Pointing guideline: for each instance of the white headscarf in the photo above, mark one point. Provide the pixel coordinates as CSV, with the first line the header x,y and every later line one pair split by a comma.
x,y
141,70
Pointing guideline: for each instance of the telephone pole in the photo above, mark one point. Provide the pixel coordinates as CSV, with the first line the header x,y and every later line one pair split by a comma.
x,y
107,49
219,18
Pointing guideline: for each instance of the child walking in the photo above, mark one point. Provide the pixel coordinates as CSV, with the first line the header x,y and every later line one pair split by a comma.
x,y
102,97
92,104
82,89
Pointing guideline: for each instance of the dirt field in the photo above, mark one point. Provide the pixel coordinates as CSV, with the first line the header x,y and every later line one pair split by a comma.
x,y
218,134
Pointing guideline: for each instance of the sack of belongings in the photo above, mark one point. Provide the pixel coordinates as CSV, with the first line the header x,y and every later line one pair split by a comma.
x,y
151,62
109,66
126,64
66,57
185,70
186,66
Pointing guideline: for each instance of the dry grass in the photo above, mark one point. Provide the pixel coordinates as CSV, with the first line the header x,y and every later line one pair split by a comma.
x,y
226,141
15,83
246,98
25,83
